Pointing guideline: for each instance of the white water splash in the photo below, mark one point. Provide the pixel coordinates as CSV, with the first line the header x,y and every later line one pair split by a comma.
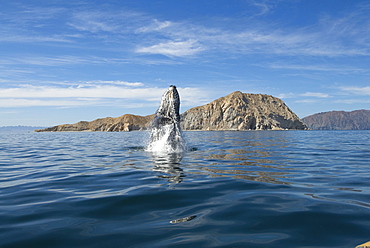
x,y
167,139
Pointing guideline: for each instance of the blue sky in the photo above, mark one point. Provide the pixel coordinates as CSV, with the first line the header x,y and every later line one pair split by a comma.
x,y
66,61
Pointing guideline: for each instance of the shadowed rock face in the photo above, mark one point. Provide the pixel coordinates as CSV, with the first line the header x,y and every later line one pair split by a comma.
x,y
236,111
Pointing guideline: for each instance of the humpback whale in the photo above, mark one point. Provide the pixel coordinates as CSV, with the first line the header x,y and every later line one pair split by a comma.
x,y
166,135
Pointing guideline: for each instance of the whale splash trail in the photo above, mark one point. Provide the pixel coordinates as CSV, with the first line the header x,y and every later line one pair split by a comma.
x,y
166,135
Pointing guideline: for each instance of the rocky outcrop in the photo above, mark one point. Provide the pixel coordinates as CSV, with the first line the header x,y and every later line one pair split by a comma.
x,y
237,111
242,111
339,120
123,123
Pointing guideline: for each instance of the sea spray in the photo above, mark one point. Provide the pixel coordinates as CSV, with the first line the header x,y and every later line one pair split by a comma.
x,y
167,139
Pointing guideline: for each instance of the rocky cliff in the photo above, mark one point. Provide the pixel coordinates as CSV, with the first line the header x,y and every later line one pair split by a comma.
x,y
123,123
237,111
339,120
242,111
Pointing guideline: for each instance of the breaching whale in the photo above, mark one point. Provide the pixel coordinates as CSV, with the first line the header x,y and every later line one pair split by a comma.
x,y
166,135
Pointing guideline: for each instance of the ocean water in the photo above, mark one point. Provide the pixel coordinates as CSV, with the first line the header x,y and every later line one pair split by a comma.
x,y
231,189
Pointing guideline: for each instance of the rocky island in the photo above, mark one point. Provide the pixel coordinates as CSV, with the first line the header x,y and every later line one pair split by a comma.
x,y
124,123
236,111
242,111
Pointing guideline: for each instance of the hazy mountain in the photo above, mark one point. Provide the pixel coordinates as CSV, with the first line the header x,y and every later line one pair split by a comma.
x,y
339,120
18,129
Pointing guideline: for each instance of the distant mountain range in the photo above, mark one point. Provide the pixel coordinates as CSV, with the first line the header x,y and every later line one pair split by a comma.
x,y
339,120
18,129
237,111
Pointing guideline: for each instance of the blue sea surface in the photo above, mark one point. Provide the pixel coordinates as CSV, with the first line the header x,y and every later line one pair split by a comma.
x,y
231,189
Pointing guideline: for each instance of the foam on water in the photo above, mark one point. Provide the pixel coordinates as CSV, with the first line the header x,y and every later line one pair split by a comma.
x,y
167,139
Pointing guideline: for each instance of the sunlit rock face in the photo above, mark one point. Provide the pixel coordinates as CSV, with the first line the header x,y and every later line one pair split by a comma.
x,y
242,111
123,123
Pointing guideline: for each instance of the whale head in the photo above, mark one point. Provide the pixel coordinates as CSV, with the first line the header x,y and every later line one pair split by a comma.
x,y
168,111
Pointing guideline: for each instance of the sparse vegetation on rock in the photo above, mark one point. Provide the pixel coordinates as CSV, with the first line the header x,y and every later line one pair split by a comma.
x,y
242,111
123,123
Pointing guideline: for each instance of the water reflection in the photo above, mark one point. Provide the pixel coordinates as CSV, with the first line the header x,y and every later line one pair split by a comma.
x,y
250,156
169,164
259,176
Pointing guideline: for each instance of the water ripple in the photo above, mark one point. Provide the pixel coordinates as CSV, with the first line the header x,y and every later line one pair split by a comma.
x,y
234,189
